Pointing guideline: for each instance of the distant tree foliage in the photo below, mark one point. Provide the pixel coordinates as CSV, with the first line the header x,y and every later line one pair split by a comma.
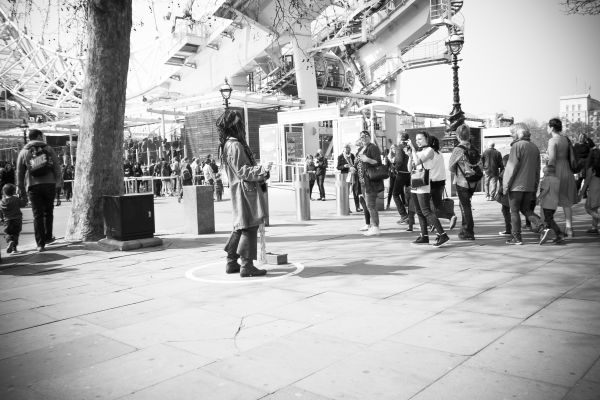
x,y
539,134
586,7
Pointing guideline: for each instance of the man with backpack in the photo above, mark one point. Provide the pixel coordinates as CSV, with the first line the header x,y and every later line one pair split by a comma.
x,y
492,167
464,163
39,174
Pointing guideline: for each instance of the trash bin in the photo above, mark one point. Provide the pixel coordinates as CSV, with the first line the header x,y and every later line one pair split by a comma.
x,y
199,209
129,216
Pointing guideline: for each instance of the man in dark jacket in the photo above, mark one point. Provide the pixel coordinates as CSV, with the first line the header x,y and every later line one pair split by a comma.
x,y
321,164
39,174
492,167
521,179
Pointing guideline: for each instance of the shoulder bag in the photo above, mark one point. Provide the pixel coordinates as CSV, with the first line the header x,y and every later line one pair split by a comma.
x,y
446,209
377,173
419,177
572,157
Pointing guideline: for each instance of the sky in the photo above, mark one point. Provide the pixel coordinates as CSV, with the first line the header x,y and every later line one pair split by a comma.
x,y
519,57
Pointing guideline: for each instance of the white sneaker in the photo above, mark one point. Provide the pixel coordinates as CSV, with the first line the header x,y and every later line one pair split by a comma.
x,y
373,231
365,228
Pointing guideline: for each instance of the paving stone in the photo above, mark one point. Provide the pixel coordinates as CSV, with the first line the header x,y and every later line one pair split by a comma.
x,y
122,375
589,290
384,371
457,332
594,373
322,307
282,362
551,356
293,392
584,390
434,296
38,337
510,302
544,281
24,394
260,301
86,304
14,305
187,324
195,385
371,324
572,315
222,342
471,383
478,278
59,359
22,320
134,313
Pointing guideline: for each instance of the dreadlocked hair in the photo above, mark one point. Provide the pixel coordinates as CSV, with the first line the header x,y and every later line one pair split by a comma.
x,y
231,124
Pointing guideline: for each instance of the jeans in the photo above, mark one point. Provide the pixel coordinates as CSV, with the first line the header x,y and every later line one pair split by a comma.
x,y
399,196
426,215
390,190
242,244
311,184
320,184
13,229
369,203
507,217
42,206
520,202
466,211
491,185
355,187
550,222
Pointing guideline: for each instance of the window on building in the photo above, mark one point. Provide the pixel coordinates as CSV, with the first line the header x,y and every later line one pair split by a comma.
x,y
578,107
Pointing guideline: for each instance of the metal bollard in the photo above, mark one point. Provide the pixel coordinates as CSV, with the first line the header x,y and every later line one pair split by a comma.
x,y
341,193
302,197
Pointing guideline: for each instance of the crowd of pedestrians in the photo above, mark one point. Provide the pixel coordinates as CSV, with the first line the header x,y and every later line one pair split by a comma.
x,y
514,181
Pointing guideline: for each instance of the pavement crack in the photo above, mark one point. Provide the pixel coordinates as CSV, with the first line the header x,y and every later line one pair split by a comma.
x,y
237,332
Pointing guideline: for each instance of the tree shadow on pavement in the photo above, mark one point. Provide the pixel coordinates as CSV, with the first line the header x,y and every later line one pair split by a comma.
x,y
358,267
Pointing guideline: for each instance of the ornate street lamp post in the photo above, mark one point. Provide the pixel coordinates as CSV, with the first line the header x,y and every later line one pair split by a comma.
x,y
457,116
226,93
24,126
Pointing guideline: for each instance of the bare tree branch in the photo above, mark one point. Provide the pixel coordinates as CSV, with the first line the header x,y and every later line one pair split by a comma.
x,y
586,7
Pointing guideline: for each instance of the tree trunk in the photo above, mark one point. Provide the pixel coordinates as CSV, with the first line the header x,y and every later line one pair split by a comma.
x,y
99,166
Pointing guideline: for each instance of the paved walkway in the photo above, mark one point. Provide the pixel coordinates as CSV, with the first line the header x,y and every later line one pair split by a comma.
x,y
350,318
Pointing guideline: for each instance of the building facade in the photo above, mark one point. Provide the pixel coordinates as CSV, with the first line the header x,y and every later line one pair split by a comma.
x,y
580,108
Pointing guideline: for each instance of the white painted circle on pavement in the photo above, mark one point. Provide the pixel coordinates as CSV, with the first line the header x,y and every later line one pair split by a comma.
x,y
277,272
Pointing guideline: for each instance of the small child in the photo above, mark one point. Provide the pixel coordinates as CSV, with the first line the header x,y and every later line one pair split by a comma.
x,y
11,208
548,199
219,187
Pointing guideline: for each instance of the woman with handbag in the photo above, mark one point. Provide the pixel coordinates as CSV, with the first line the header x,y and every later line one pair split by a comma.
x,y
422,163
560,155
438,184
368,162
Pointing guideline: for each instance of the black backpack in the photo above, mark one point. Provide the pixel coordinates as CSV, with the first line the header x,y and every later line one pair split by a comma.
x,y
38,161
473,172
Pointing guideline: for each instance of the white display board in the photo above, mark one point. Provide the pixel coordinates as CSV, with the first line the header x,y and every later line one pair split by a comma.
x,y
270,149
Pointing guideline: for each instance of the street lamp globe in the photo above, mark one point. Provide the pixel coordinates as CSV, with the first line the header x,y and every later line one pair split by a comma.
x,y
226,92
455,43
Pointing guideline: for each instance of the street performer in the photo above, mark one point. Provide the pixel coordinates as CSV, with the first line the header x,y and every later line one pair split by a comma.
x,y
248,194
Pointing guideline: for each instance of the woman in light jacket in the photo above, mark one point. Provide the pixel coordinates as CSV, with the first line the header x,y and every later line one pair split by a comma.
x,y
421,195
248,194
